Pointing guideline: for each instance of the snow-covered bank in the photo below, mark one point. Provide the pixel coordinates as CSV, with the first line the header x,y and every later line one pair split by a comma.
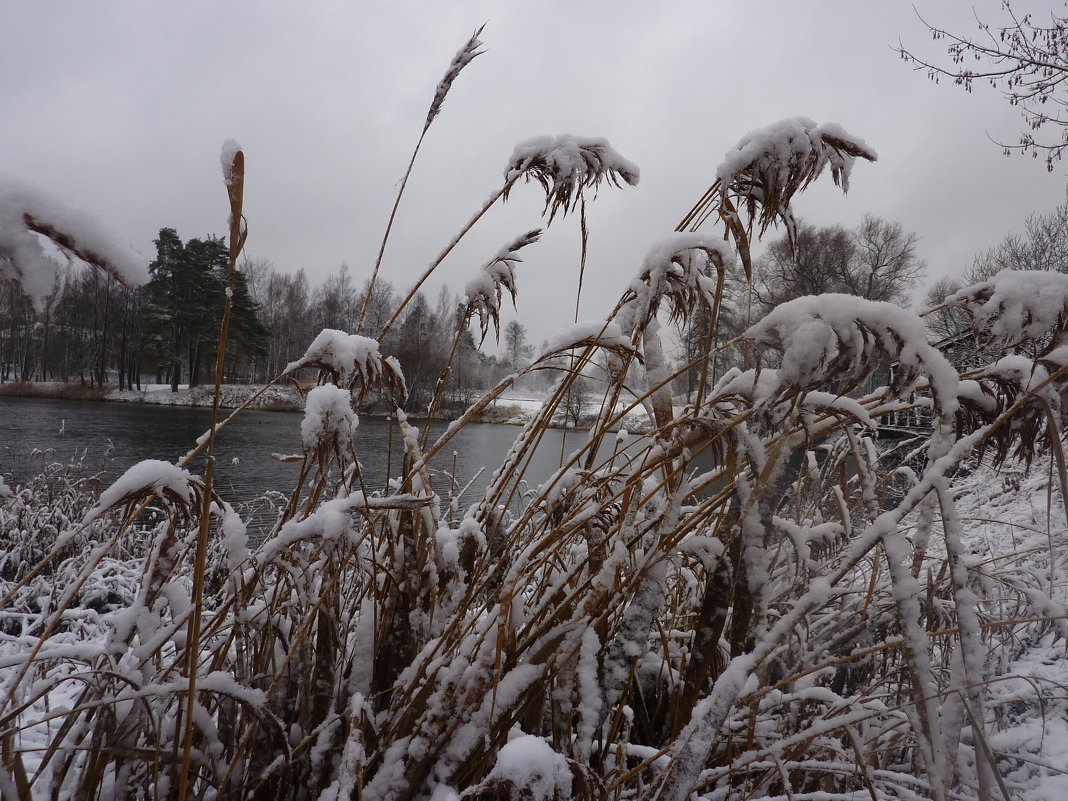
x,y
513,410
276,398
519,410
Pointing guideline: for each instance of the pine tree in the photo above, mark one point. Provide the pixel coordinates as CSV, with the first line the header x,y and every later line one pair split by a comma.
x,y
185,301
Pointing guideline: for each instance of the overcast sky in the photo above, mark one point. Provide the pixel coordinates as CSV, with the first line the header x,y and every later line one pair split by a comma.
x,y
121,108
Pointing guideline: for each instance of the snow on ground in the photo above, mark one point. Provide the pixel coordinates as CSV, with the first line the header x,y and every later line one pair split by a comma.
x,y
1016,533
233,395
522,408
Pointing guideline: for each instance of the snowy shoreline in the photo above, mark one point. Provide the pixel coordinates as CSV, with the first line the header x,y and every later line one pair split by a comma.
x,y
278,399
509,410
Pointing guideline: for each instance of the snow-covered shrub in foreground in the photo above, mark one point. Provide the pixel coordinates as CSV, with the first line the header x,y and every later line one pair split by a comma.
x,y
732,607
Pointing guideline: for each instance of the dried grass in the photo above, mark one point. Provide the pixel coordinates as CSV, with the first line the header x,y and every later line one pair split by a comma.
x,y
757,628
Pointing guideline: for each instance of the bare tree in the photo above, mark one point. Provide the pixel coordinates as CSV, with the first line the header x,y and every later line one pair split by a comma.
x,y
876,260
813,266
257,275
575,401
885,266
946,321
419,345
1026,60
1042,246
377,305
516,349
335,301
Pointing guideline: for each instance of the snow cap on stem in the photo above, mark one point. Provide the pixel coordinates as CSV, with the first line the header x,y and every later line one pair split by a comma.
x,y
230,149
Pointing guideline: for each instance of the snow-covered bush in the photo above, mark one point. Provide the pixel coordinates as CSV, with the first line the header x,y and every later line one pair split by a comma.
x,y
731,607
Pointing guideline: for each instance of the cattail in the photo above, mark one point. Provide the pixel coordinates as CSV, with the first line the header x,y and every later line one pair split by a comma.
x,y
227,160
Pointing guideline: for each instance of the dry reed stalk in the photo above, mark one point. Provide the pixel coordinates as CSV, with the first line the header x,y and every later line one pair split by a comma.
x,y
234,175
463,57
486,206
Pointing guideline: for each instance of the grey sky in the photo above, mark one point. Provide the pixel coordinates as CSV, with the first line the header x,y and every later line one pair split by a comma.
x,y
121,108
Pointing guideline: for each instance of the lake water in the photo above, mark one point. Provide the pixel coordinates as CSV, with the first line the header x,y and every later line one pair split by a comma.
x,y
112,436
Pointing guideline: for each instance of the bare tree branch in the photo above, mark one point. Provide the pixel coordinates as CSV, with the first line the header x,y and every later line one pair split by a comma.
x,y
1028,62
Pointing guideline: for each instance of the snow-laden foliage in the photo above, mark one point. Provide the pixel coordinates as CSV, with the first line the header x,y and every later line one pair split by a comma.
x,y
676,269
1023,386
528,767
159,478
328,417
484,291
759,177
826,339
595,333
566,166
786,156
352,361
754,597
28,216
1015,305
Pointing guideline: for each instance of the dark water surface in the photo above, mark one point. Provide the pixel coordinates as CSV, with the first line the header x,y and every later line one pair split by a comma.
x,y
111,437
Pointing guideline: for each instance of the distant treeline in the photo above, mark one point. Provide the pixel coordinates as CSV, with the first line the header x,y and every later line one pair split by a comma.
x,y
96,331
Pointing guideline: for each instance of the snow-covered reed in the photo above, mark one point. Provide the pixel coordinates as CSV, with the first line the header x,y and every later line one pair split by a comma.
x,y
747,603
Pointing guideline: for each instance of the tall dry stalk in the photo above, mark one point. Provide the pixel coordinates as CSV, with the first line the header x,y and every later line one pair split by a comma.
x,y
233,165
464,56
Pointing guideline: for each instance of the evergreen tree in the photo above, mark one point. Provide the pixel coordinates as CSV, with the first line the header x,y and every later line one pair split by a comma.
x,y
185,301
167,314
419,352
206,262
249,335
